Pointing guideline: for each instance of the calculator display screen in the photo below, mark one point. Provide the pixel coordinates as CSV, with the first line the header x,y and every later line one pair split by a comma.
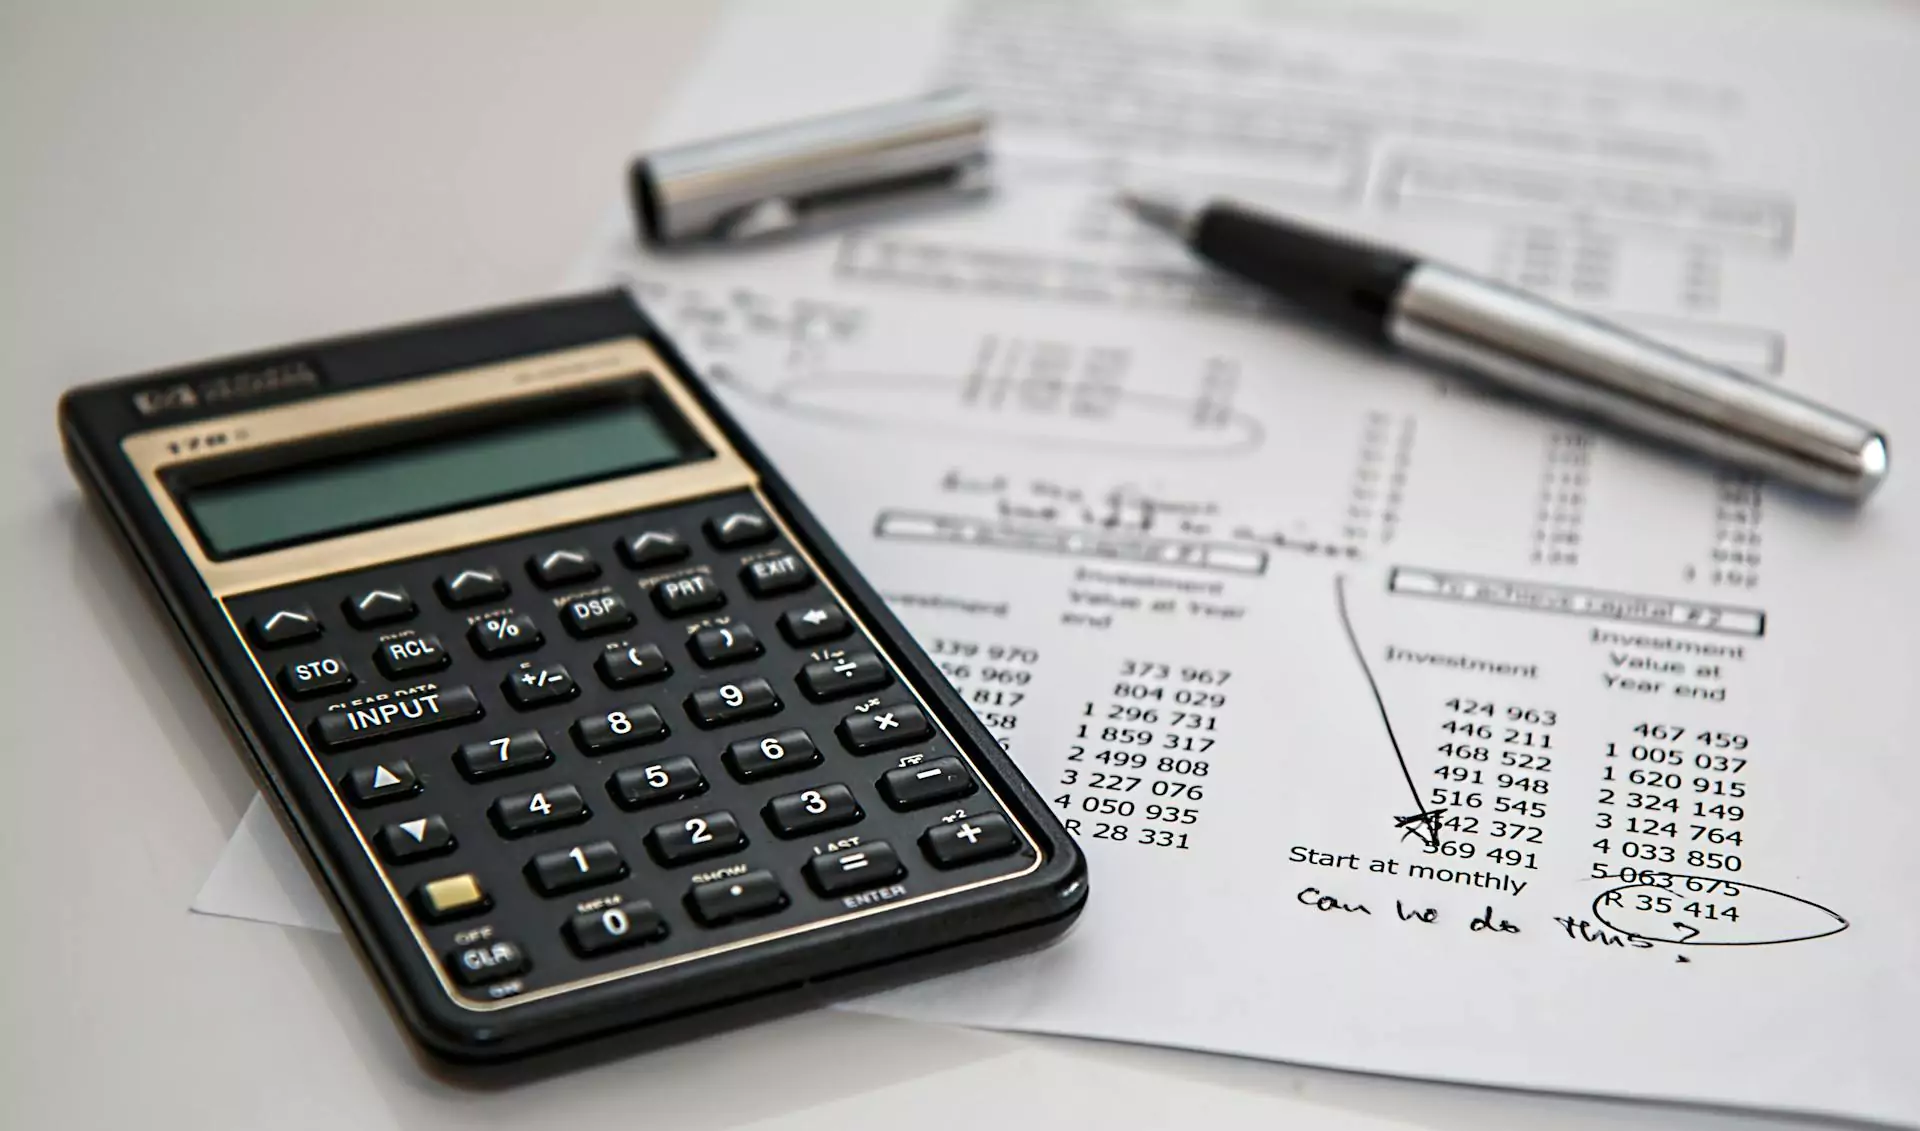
x,y
432,474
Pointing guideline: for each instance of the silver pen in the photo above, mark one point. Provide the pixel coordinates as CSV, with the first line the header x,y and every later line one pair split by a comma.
x,y
1534,347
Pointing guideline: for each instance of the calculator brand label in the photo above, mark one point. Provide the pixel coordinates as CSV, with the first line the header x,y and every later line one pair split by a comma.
x,y
238,387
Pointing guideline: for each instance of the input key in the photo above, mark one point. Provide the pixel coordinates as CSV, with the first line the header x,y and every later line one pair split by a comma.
x,y
380,719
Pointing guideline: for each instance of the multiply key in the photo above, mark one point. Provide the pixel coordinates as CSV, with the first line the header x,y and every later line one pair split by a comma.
x,y
883,728
371,722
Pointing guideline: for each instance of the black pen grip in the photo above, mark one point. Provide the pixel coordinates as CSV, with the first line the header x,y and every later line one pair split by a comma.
x,y
1327,276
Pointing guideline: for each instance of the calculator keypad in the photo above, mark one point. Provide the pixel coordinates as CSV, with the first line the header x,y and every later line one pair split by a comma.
x,y
664,735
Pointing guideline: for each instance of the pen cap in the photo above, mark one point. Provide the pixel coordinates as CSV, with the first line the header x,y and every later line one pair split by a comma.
x,y
813,172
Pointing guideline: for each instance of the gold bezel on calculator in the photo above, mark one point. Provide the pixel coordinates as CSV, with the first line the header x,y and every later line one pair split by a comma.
x,y
156,453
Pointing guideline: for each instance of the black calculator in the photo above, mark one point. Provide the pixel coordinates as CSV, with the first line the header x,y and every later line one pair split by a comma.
x,y
579,716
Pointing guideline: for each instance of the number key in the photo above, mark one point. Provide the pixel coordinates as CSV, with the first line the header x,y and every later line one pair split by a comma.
x,y
770,754
656,783
508,754
520,813
581,866
615,928
811,810
731,702
696,838
617,730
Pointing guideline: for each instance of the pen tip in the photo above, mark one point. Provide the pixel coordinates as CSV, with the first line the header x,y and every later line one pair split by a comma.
x,y
1158,211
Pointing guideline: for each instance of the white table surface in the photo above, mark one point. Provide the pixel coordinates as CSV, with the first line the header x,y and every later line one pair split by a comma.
x,y
206,177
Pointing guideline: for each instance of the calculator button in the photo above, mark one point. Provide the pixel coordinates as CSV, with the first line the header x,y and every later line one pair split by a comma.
x,y
562,567
531,687
657,783
696,838
284,626
385,605
487,962
924,783
846,675
736,897
652,548
854,869
592,616
472,586
505,635
615,928
581,866
814,624
635,663
811,810
619,729
694,593
724,644
741,528
316,677
883,728
372,722
508,754
520,813
983,837
411,655
376,785
416,839
782,752
732,702
770,577
450,897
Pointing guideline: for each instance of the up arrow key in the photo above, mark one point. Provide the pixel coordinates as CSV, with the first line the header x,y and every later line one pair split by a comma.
x,y
379,784
380,606
284,626
742,528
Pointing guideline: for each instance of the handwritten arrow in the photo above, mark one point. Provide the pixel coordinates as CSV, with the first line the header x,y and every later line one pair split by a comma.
x,y
1424,823
1687,927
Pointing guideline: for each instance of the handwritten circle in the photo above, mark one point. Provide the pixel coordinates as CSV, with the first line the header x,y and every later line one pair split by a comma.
x,y
1807,919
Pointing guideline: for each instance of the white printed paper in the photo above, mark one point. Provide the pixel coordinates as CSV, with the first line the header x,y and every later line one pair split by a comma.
x,y
1406,729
